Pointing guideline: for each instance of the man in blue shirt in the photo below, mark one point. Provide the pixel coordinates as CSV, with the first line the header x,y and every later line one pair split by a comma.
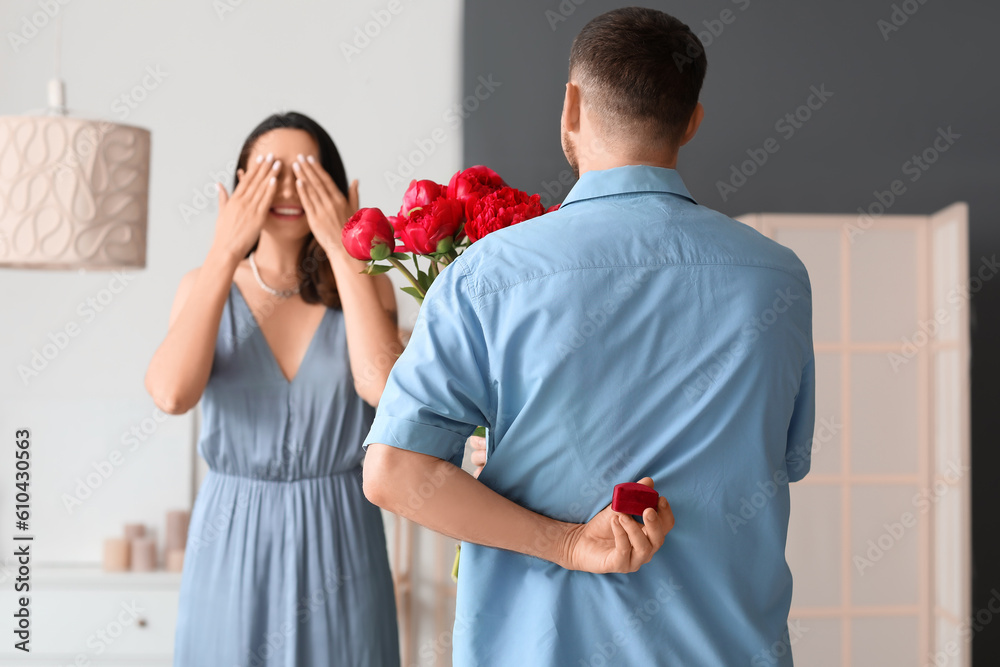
x,y
630,334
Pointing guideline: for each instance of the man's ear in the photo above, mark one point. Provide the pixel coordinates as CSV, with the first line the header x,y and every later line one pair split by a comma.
x,y
571,108
693,124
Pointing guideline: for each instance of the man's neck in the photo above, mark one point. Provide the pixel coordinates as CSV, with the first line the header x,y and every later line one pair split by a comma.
x,y
612,161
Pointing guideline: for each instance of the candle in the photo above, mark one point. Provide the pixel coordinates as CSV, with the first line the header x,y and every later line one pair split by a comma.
x,y
177,529
143,554
116,555
175,560
134,531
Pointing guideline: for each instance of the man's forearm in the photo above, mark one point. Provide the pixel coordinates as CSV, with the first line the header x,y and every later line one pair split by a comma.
x,y
446,499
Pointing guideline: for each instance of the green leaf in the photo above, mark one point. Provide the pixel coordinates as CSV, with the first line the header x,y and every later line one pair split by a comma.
x,y
480,431
412,291
376,269
424,279
401,256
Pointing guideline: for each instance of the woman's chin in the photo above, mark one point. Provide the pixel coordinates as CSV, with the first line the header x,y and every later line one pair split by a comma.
x,y
287,227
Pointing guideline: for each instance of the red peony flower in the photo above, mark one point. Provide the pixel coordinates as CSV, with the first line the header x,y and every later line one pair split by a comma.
x,y
420,193
554,207
503,208
470,185
368,235
427,226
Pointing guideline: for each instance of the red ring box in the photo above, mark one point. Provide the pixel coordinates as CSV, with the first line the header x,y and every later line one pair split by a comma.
x,y
633,498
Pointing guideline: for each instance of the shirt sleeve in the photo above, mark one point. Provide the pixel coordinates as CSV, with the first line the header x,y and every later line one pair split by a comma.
x,y
798,455
438,390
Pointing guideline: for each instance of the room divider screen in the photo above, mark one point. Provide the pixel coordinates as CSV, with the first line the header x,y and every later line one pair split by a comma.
x,y
879,542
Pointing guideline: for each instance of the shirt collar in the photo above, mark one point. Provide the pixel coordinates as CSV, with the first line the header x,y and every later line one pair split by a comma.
x,y
625,180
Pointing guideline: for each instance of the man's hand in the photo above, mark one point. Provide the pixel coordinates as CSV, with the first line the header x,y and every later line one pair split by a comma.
x,y
613,542
444,498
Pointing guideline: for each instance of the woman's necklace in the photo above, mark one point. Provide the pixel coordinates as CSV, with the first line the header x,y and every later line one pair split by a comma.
x,y
281,294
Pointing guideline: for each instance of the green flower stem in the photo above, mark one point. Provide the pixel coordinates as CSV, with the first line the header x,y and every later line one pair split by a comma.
x,y
409,276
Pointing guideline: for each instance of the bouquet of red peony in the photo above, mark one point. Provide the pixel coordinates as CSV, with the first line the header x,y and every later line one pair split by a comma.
x,y
437,222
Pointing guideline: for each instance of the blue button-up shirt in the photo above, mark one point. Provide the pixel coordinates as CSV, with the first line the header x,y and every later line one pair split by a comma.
x,y
631,333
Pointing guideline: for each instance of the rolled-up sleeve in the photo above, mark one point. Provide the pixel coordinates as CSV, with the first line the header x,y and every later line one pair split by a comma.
x,y
439,389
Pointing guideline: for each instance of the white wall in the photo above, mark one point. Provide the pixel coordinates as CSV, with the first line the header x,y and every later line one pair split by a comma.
x,y
223,66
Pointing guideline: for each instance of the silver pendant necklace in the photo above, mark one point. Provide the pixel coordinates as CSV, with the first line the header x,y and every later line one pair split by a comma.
x,y
281,294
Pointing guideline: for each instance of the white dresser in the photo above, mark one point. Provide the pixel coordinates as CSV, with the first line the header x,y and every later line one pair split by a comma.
x,y
83,616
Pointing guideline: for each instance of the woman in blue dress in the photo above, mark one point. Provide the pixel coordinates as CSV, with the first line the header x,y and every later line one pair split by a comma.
x,y
288,346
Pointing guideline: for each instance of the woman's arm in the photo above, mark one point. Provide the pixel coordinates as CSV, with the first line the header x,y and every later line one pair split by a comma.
x,y
370,318
368,301
179,370
180,367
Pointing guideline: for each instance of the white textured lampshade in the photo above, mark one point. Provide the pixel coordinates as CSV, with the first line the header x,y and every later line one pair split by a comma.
x,y
73,193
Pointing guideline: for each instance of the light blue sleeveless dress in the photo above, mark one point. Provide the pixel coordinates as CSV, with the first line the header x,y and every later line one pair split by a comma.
x,y
286,561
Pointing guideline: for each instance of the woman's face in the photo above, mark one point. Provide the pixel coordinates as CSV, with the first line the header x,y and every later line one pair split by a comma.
x,y
286,218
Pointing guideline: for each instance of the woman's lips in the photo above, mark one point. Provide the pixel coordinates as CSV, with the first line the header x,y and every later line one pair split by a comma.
x,y
287,212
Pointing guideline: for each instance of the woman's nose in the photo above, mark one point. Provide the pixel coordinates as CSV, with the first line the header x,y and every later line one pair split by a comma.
x,y
286,181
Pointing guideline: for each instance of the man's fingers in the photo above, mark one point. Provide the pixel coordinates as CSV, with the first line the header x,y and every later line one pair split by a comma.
x,y
646,481
666,515
657,523
641,546
623,548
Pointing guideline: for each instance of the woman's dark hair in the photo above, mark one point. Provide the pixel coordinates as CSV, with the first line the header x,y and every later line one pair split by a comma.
x,y
316,281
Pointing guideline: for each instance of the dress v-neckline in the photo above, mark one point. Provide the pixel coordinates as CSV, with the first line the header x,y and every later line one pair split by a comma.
x,y
270,350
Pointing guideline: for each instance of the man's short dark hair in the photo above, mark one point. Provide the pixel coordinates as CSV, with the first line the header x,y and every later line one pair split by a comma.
x,y
641,70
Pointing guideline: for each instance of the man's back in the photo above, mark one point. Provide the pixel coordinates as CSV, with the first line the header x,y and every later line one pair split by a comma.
x,y
632,333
